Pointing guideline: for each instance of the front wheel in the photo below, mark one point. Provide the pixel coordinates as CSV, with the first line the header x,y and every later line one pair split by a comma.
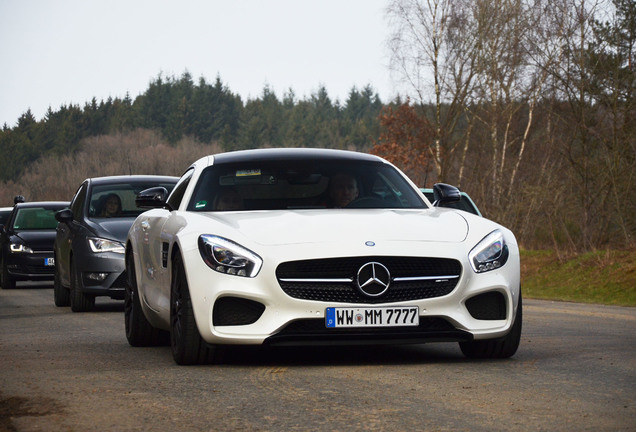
x,y
497,348
139,331
61,295
80,302
188,347
7,281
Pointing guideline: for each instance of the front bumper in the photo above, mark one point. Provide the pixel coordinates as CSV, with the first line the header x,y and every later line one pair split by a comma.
x,y
36,266
103,274
481,306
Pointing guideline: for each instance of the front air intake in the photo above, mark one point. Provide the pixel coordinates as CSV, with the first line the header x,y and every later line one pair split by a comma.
x,y
488,306
236,311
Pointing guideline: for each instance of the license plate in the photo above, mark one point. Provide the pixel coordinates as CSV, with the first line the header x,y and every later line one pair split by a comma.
x,y
372,317
49,262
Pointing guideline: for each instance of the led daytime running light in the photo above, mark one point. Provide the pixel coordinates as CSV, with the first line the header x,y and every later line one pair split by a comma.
x,y
20,248
100,245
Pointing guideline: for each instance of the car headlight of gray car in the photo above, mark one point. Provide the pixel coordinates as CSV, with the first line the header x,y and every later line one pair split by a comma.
x,y
100,245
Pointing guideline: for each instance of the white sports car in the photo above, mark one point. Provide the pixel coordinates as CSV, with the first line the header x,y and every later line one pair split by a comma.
x,y
315,246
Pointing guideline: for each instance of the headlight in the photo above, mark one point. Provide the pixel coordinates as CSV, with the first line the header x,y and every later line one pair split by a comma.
x,y
20,248
99,245
227,257
490,253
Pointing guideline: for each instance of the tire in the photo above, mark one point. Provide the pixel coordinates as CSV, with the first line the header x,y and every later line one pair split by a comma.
x,y
80,302
61,295
7,282
188,348
139,332
497,348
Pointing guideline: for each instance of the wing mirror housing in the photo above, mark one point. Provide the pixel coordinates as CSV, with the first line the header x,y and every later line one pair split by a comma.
x,y
445,193
64,216
155,197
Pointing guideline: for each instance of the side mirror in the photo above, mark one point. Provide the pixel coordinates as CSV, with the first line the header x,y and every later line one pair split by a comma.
x,y
444,193
64,216
152,198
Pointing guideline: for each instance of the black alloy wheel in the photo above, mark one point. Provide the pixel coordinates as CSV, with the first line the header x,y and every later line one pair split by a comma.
x,y
188,348
80,302
139,331
497,348
6,281
61,295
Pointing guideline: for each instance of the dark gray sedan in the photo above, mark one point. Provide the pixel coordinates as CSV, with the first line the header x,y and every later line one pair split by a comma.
x,y
89,244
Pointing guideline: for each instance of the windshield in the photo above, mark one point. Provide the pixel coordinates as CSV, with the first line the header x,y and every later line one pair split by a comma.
x,y
118,200
302,185
35,218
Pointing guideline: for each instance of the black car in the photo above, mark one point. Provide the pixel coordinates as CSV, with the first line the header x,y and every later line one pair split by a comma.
x,y
27,242
89,245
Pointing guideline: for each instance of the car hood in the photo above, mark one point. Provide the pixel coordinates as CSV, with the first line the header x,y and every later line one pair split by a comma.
x,y
36,240
309,226
113,229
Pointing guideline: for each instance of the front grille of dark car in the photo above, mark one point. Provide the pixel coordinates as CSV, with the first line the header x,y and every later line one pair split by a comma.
x,y
37,270
334,279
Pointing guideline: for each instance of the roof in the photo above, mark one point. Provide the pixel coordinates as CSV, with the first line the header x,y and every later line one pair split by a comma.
x,y
131,179
257,155
31,204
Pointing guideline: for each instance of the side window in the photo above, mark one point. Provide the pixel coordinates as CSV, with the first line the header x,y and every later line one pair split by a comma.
x,y
175,198
77,204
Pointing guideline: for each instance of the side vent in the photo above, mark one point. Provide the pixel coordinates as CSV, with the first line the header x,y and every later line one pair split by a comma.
x,y
236,311
164,254
488,306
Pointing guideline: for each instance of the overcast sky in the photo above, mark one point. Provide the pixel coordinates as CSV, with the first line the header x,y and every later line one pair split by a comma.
x,y
55,52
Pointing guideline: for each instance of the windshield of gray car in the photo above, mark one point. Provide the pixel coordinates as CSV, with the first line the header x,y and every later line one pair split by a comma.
x,y
118,200
276,185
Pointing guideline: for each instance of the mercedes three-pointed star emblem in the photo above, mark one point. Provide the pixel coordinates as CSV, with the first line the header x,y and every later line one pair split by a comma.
x,y
373,279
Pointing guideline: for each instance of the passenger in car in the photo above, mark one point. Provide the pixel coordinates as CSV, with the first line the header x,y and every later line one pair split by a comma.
x,y
343,189
112,206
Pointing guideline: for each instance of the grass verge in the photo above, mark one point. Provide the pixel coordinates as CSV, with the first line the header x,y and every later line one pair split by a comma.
x,y
604,277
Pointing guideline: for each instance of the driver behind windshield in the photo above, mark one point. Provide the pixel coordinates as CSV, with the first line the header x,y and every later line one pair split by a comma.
x,y
343,188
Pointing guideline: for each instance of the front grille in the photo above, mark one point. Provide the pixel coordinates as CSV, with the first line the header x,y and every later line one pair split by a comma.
x,y
39,270
334,279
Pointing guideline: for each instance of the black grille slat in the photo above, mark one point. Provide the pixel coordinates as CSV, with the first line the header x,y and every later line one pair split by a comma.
x,y
445,274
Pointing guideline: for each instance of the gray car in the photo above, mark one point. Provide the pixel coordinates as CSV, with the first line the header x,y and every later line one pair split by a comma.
x,y
89,242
